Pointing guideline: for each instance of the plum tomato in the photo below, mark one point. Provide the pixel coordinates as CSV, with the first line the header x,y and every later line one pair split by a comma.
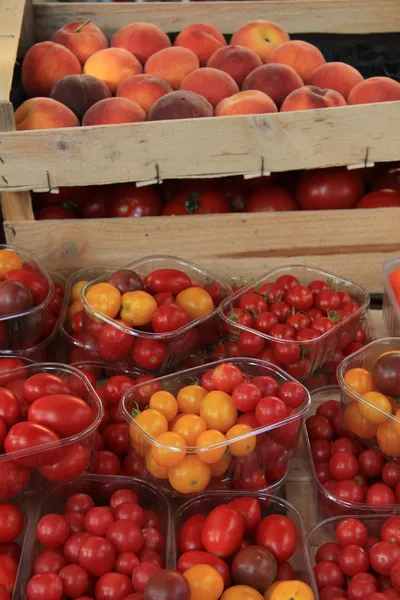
x,y
113,343
11,522
250,510
167,280
43,384
189,537
277,533
50,412
223,531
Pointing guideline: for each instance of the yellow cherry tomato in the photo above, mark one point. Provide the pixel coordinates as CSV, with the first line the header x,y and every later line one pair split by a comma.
x,y
290,590
218,411
153,468
165,403
219,468
170,451
375,400
138,308
205,440
388,439
241,592
205,582
171,424
190,427
242,447
151,422
190,475
75,307
9,260
76,291
360,380
195,301
357,423
189,398
104,298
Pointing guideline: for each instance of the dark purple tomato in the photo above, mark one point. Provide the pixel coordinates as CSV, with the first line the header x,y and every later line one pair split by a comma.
x,y
15,297
254,566
126,281
386,374
167,584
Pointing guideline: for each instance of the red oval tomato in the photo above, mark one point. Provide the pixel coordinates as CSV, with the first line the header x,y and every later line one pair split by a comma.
x,y
10,408
189,537
13,479
167,280
223,531
277,533
169,317
327,189
250,510
43,384
73,462
24,436
66,415
194,557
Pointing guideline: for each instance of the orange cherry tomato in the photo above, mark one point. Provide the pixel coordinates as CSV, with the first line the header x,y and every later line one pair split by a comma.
x,y
138,308
205,440
242,447
165,403
357,423
290,590
360,380
219,468
190,427
388,439
376,402
153,468
241,592
171,424
394,278
104,298
9,260
195,301
150,422
170,451
218,411
205,582
190,475
75,307
76,291
189,398
268,593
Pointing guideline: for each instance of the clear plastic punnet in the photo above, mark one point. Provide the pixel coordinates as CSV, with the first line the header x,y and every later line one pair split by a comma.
x,y
24,329
265,467
391,307
155,352
205,503
310,354
58,461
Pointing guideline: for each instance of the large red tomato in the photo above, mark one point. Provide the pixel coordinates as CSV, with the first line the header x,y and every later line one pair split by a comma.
x,y
327,189
197,202
130,201
270,198
55,211
388,180
380,199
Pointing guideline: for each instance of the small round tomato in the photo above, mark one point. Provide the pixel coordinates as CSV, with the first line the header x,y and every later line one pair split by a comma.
x,y
250,344
44,585
223,531
328,574
371,462
149,354
165,403
245,444
351,531
380,494
383,555
196,302
11,522
218,411
226,377
246,396
104,298
270,410
277,533
169,317
210,446
360,380
190,427
292,393
343,465
391,474
190,475
169,449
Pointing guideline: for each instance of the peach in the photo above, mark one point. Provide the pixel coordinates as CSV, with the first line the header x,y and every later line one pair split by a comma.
x,y
180,105
144,89
336,76
237,61
310,97
141,39
113,111
249,102
80,92
172,64
83,38
277,81
202,39
375,89
113,66
214,85
46,63
260,36
44,113
303,57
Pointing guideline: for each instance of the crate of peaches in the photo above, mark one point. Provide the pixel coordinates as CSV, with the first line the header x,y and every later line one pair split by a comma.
x,y
349,476
224,425
152,313
296,317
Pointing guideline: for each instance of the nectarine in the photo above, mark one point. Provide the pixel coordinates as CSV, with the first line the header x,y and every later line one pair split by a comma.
x,y
336,76
260,36
46,63
83,38
141,39
237,61
310,97
80,92
249,102
375,89
113,111
303,57
180,105
172,64
113,66
44,113
144,89
213,84
202,39
277,81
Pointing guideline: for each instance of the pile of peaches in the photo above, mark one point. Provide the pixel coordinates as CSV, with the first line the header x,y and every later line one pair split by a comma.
x,y
80,78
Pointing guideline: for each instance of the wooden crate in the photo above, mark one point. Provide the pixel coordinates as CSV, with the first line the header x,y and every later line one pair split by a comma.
x,y
193,147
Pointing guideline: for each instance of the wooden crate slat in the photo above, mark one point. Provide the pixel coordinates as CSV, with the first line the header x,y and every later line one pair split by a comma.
x,y
308,16
214,146
352,243
11,13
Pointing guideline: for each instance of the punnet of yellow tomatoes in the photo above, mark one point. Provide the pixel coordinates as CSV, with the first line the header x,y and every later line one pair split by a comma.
x,y
150,314
230,424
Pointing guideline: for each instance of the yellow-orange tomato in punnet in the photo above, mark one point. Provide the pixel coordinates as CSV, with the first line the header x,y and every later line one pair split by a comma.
x,y
360,380
189,398
218,411
289,590
9,260
195,301
205,440
104,298
170,449
190,475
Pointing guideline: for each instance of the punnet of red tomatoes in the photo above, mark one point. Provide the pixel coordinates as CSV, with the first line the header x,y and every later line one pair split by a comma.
x,y
357,558
150,314
230,424
391,299
297,318
315,189
253,546
49,415
349,475
14,518
31,302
